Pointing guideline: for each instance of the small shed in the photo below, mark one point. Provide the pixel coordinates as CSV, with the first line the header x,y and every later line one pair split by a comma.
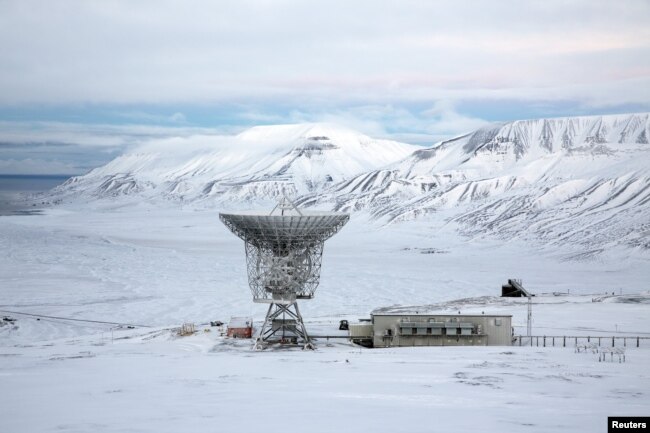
x,y
240,327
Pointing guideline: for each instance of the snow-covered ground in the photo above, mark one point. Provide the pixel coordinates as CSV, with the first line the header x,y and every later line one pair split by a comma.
x,y
153,381
153,265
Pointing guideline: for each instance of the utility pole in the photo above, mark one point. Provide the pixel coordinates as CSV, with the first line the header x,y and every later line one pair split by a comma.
x,y
529,322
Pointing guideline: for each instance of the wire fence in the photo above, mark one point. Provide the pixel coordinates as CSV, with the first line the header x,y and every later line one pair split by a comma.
x,y
575,340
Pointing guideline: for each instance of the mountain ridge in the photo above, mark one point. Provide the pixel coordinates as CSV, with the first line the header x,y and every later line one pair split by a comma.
x,y
258,163
580,180
539,179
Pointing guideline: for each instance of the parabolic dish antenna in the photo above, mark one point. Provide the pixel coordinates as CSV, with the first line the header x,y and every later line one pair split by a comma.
x,y
283,257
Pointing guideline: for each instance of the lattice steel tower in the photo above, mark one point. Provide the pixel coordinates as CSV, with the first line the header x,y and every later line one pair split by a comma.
x,y
283,259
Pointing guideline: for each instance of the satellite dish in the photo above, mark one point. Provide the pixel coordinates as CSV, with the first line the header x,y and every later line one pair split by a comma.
x,y
284,249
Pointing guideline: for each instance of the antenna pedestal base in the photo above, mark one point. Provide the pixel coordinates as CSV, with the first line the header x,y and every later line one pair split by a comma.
x,y
283,325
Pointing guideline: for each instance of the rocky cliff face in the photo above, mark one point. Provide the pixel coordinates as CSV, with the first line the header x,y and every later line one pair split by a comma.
x,y
582,181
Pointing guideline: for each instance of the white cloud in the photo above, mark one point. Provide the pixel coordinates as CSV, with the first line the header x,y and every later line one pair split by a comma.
x,y
397,70
313,53
67,148
141,116
443,120
36,166
90,135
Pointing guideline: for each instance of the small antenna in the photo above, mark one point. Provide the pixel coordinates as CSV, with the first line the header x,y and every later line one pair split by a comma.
x,y
285,204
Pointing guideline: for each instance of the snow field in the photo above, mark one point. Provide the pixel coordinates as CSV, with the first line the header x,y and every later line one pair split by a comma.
x,y
154,381
158,266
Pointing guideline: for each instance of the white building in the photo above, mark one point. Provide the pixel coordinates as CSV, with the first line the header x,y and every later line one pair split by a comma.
x,y
394,330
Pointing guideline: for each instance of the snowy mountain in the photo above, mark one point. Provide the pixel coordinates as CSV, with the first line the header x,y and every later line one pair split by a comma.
x,y
582,181
257,164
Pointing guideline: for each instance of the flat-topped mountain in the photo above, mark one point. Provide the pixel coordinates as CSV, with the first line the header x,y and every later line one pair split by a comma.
x,y
256,164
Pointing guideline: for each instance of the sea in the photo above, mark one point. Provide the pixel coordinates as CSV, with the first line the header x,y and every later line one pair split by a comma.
x,y
16,189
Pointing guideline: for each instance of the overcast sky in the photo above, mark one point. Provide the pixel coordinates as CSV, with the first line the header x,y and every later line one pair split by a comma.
x,y
81,81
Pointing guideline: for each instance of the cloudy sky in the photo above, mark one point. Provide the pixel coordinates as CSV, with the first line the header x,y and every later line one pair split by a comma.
x,y
81,81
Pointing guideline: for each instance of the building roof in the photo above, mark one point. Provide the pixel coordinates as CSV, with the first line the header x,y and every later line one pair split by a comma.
x,y
240,322
439,315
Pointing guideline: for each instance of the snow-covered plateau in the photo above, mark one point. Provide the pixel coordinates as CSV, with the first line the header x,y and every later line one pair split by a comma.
x,y
562,204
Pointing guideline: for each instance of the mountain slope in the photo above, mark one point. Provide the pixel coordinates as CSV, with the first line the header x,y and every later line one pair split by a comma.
x,y
582,181
258,163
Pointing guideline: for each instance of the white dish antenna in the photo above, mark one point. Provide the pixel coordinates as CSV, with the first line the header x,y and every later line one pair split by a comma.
x,y
283,255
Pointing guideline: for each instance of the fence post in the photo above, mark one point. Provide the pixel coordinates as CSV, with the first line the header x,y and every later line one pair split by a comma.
x,y
599,341
588,339
553,341
537,341
624,341
637,341
544,341
576,341
613,341
564,341
520,340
